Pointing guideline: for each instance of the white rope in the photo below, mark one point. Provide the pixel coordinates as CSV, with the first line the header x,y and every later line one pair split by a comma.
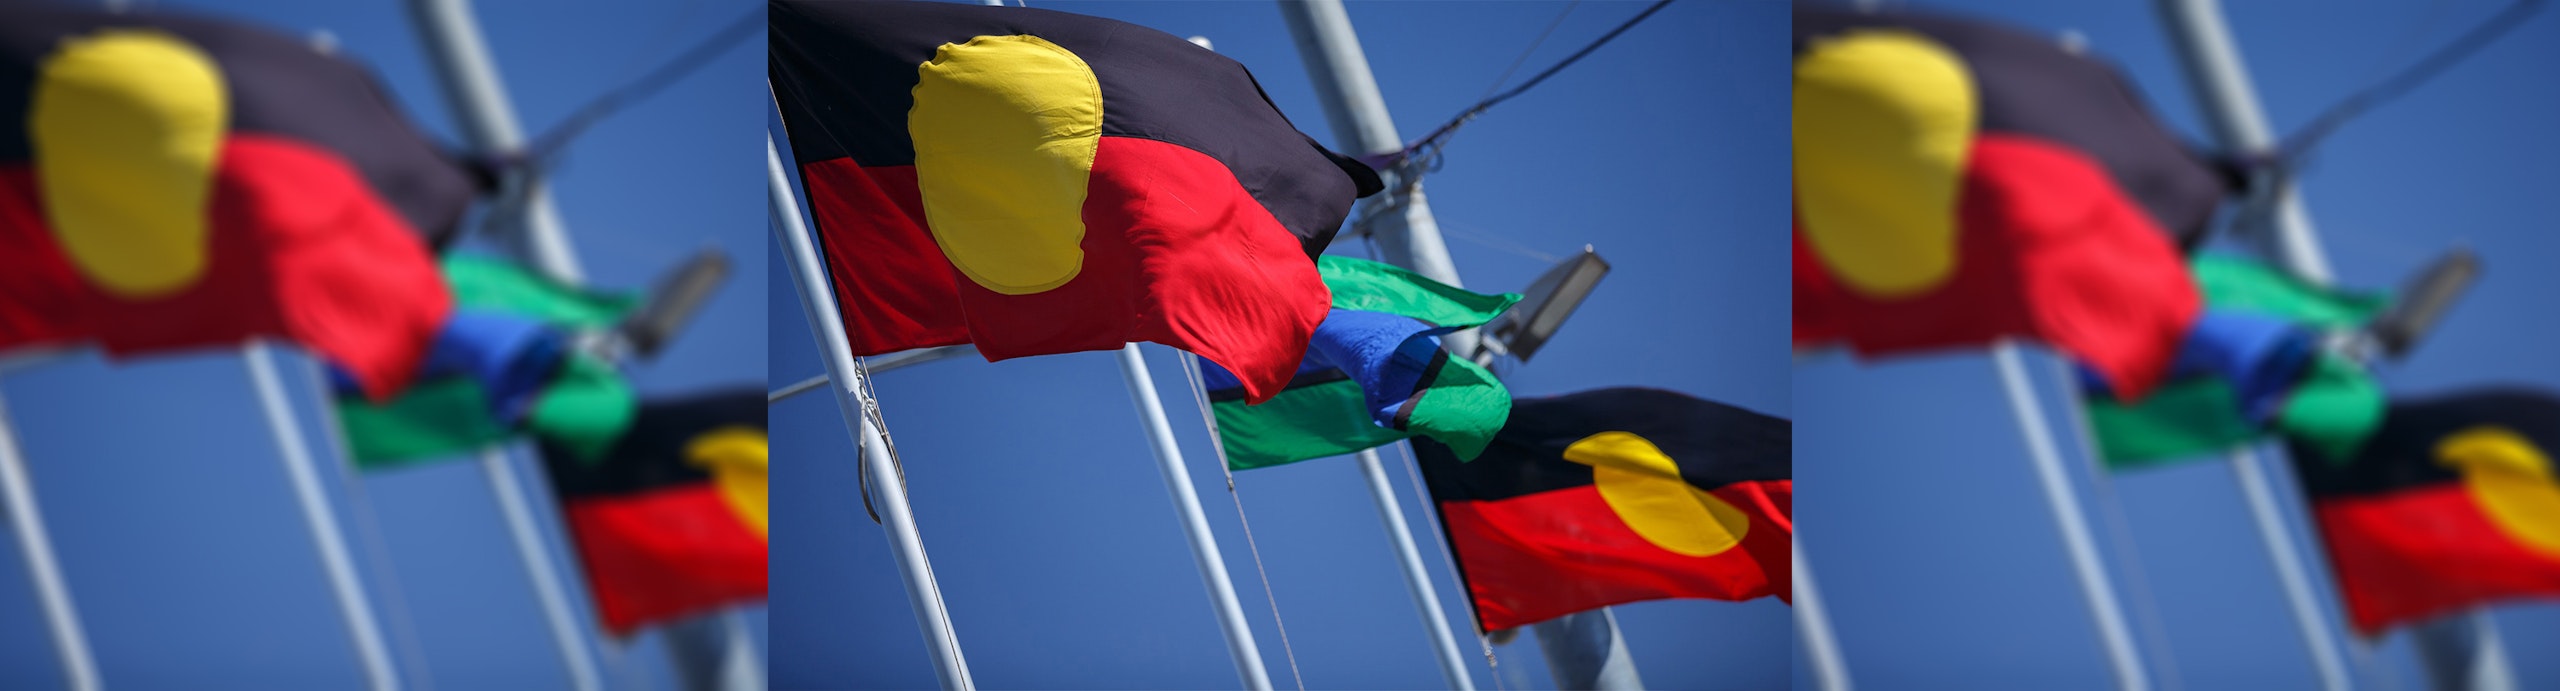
x,y
1200,398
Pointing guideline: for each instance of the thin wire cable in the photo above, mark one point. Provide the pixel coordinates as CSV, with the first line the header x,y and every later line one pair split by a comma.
x,y
1200,397
2480,36
740,29
1442,133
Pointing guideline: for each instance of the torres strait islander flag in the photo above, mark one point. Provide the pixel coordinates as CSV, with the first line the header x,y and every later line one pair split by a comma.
x,y
169,182
2450,505
671,522
1039,182
1617,495
1958,183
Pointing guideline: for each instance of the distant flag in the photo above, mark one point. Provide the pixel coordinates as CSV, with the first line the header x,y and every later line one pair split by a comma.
x,y
1374,373
671,523
503,366
2451,505
1958,183
1617,495
2253,366
169,182
1039,182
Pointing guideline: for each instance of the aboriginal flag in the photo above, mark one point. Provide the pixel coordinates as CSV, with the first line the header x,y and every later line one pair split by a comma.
x,y
170,182
1617,495
1039,182
1958,183
672,522
2449,506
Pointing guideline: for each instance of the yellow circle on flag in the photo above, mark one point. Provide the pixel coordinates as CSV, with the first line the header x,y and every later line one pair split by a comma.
x,y
1643,486
127,126
1884,120
1005,130
2511,479
737,458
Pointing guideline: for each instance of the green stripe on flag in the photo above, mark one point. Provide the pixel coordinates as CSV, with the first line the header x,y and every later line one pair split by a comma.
x,y
2335,405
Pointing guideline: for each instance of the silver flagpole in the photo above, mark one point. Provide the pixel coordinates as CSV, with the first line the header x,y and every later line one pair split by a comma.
x,y
2230,104
353,604
898,520
1814,626
1417,578
1195,524
2105,609
79,671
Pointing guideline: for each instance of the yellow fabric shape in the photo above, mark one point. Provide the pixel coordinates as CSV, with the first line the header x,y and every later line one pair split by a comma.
x,y
1643,486
1884,120
2511,479
736,457
1005,129
127,126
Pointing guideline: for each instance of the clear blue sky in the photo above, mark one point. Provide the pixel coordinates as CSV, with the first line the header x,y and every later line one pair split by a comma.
x,y
169,508
1923,522
1049,527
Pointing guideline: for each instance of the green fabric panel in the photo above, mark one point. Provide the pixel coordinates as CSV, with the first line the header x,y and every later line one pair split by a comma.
x,y
488,284
2337,406
1307,422
1360,284
437,420
2177,422
1463,408
2248,286
585,409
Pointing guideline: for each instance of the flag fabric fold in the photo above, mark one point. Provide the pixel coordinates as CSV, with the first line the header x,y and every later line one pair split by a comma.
x,y
2450,506
2252,366
671,522
1617,495
1039,182
1374,373
1959,183
171,183
501,366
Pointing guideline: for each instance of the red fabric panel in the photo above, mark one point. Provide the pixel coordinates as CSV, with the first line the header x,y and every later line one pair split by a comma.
x,y
2049,249
1532,558
2414,554
665,554
301,249
892,284
1175,252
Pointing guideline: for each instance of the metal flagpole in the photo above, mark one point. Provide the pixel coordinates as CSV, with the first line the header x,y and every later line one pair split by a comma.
x,y
60,618
1416,578
343,582
1814,625
2212,62
2106,611
1195,525
818,305
1406,233
479,101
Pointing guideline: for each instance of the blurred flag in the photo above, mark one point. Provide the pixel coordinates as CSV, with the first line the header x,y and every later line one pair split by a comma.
x,y
672,522
502,365
2253,365
1617,495
2451,505
1958,183
1040,182
1374,373
169,182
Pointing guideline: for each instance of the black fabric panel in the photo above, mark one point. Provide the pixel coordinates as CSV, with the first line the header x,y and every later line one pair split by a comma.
x,y
1713,443
279,86
651,455
2402,454
844,74
2030,86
